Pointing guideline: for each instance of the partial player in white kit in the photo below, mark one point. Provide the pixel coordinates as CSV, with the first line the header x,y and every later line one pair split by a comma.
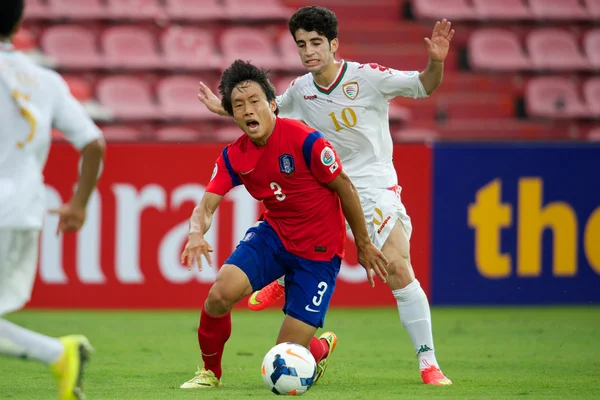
x,y
32,101
348,103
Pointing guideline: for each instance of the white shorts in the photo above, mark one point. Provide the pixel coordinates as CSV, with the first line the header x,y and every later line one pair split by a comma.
x,y
382,209
18,266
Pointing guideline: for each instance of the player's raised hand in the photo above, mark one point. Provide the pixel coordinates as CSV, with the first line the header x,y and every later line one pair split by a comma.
x,y
210,100
439,44
195,248
371,258
71,217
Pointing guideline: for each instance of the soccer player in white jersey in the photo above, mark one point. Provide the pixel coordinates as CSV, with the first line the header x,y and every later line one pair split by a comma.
x,y
348,103
32,101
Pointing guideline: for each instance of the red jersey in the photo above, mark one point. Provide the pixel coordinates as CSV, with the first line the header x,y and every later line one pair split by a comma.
x,y
289,175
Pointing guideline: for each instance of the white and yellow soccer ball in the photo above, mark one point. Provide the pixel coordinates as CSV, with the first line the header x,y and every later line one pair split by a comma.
x,y
289,369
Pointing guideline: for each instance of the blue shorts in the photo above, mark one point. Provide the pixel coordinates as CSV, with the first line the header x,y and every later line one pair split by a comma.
x,y
308,284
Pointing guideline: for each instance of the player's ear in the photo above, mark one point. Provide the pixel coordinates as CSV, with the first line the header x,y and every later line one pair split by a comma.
x,y
334,45
273,105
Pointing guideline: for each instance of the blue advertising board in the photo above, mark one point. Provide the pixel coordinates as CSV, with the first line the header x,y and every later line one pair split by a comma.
x,y
516,223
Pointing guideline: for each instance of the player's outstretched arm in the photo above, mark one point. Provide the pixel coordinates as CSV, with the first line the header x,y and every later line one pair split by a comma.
x,y
72,214
437,48
210,100
200,223
368,255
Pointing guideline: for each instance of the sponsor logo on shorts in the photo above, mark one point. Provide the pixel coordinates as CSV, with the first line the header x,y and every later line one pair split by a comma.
x,y
383,225
307,308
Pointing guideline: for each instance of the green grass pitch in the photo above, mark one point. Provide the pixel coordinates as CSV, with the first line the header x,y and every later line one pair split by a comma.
x,y
489,353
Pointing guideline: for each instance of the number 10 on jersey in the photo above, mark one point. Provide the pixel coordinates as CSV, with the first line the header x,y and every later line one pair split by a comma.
x,y
348,119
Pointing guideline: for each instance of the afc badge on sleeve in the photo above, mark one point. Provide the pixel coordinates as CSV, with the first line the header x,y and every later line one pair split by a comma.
x,y
286,164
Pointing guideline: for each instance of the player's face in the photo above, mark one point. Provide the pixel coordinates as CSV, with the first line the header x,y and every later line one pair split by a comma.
x,y
316,52
252,112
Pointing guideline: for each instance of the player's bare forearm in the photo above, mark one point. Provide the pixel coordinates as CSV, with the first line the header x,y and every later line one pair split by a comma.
x,y
352,208
202,216
91,160
432,76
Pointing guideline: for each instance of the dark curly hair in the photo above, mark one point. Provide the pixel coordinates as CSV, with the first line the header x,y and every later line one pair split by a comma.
x,y
11,12
315,18
242,71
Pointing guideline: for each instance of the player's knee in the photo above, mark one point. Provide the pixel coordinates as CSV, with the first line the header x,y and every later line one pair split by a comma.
x,y
220,300
399,266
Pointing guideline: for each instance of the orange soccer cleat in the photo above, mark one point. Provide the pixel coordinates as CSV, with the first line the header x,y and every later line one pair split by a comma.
x,y
266,297
434,376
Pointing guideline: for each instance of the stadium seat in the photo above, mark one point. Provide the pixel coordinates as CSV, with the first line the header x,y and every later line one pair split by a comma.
x,y
228,134
496,50
72,46
194,10
36,9
557,10
130,47
79,87
593,7
178,98
77,9
114,133
24,40
177,134
553,97
249,44
415,135
135,9
189,48
256,10
289,52
594,135
128,97
506,10
282,84
591,45
555,49
591,94
454,10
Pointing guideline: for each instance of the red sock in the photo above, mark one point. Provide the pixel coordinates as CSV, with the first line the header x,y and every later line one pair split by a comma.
x,y
213,333
319,348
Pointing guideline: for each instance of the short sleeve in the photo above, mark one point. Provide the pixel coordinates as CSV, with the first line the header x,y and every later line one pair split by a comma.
x,y
321,158
391,83
223,177
71,118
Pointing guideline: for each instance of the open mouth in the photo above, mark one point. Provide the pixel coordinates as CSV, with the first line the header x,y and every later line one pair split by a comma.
x,y
252,125
311,63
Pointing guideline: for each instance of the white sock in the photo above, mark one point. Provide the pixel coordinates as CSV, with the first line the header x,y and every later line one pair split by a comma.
x,y
415,316
20,342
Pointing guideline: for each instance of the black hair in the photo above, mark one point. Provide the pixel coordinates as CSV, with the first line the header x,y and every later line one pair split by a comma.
x,y
315,18
239,72
11,12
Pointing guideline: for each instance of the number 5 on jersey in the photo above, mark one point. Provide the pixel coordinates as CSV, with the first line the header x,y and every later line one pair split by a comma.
x,y
348,119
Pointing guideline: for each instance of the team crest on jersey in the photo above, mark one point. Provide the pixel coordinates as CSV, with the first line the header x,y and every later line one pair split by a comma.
x,y
286,164
327,156
350,89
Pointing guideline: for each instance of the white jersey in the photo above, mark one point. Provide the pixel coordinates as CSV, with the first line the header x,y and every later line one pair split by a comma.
x,y
32,101
352,113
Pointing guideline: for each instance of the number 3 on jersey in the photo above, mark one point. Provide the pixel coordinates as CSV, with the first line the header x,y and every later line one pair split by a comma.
x,y
348,119
279,195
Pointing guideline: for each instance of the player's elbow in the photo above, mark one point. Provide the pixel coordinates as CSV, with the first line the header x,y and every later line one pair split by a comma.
x,y
95,148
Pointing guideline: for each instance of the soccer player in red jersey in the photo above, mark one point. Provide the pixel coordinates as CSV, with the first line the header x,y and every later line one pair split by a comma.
x,y
299,177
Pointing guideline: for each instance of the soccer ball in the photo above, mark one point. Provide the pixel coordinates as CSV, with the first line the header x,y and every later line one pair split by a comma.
x,y
289,369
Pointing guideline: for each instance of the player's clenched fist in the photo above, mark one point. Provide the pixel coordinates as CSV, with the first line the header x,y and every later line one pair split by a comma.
x,y
372,259
194,249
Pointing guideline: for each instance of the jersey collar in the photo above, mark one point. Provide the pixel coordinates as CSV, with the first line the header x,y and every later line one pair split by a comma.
x,y
336,81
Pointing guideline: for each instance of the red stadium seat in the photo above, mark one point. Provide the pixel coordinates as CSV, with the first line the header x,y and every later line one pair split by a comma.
x,y
178,98
128,98
80,88
115,133
496,50
189,48
454,10
72,46
249,44
195,10
556,50
553,97
594,135
130,47
415,135
24,40
36,9
591,45
256,10
591,93
289,52
77,9
506,10
593,7
135,9
177,134
228,134
557,10
282,84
